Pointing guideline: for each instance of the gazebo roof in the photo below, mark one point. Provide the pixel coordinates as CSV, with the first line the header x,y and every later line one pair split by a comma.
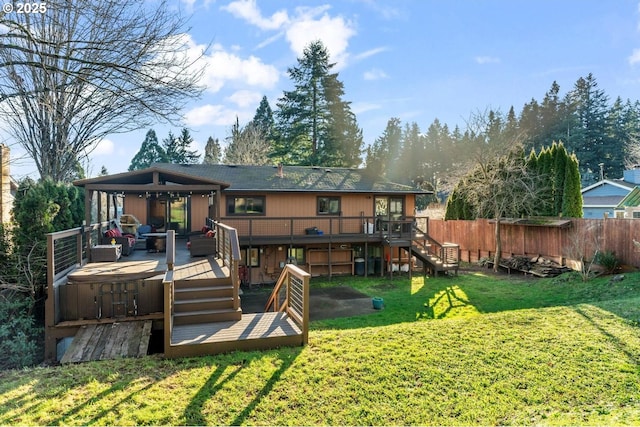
x,y
151,179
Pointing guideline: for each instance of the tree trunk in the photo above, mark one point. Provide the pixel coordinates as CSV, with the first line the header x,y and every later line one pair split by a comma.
x,y
498,254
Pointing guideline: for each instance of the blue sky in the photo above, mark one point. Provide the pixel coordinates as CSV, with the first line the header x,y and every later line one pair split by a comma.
x,y
417,60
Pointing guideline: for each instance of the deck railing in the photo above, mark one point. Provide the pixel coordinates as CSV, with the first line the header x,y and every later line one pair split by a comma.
x,y
374,227
448,253
291,295
228,249
66,250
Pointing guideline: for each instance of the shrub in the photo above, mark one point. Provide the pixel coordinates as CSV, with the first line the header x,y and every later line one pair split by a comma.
x,y
19,334
608,260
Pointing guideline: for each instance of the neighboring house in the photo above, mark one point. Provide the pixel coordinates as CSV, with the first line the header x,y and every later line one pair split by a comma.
x,y
328,220
629,207
604,197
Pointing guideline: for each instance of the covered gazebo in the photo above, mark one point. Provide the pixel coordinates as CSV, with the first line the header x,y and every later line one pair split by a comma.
x,y
166,199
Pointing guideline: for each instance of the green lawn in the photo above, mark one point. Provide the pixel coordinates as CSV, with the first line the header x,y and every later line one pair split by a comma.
x,y
467,350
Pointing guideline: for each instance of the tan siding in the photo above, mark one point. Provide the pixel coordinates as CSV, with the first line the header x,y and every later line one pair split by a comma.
x,y
199,212
137,207
286,205
410,205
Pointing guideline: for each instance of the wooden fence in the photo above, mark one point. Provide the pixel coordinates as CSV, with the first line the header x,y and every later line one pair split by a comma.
x,y
561,244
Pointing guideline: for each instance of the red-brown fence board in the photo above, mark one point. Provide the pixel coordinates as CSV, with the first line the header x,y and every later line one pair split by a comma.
x,y
476,238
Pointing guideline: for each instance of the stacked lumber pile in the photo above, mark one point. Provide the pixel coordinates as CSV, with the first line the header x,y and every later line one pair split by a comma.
x,y
538,266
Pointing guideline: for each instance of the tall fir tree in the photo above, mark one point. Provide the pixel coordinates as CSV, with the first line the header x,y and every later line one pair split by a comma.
x,y
150,152
314,125
177,149
212,152
588,137
264,121
381,155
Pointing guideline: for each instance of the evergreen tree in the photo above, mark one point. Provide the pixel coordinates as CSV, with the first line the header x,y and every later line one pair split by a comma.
x,y
150,152
263,120
631,134
314,125
588,136
572,200
412,154
212,152
560,160
177,148
381,156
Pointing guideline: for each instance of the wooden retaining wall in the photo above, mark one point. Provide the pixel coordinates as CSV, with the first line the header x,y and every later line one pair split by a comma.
x,y
562,244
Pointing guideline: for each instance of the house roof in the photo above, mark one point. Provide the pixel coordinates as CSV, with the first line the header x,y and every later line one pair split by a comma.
x,y
630,200
601,201
243,178
615,182
153,174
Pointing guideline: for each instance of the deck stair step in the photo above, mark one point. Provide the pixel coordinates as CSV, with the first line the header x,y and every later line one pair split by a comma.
x,y
199,304
202,282
197,292
206,316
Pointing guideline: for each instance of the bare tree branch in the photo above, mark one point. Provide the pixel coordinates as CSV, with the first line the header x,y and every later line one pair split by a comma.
x,y
85,69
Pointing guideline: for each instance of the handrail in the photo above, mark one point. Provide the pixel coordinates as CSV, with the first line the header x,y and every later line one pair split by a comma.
x,y
448,253
292,227
228,250
168,292
294,283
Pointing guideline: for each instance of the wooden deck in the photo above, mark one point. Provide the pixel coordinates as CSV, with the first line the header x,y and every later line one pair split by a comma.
x,y
193,269
206,268
109,341
253,332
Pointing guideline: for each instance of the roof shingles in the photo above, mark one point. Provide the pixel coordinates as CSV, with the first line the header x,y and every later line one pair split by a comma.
x,y
294,178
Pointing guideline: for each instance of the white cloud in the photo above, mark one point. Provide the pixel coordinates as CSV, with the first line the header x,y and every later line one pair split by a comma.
x,y
487,60
216,115
334,32
634,58
306,24
245,98
375,74
248,10
103,148
370,52
223,67
361,107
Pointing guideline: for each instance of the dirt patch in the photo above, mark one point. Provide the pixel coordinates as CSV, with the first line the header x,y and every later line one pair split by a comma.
x,y
324,303
339,292
384,286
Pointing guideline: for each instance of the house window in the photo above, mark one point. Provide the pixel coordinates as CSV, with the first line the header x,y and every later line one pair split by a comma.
x,y
328,205
245,205
250,257
296,254
636,214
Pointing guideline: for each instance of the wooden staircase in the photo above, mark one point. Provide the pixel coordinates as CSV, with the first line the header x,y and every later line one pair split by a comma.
x,y
436,257
446,258
204,300
207,318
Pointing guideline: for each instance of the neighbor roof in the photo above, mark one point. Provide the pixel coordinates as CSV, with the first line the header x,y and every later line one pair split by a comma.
x,y
630,200
294,178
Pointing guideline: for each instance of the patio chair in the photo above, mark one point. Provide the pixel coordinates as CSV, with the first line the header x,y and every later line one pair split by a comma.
x,y
128,241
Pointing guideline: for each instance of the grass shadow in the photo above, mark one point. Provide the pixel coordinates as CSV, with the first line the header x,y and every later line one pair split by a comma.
x,y
474,292
286,362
